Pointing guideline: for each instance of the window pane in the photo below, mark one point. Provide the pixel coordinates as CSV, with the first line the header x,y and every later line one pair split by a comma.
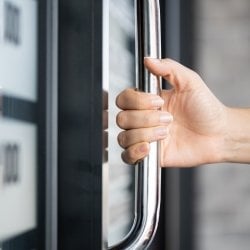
x,y
18,120
122,75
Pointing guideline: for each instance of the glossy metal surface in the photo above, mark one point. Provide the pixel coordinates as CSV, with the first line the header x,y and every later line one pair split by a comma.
x,y
148,175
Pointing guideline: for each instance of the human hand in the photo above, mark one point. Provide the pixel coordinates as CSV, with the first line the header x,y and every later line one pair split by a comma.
x,y
194,136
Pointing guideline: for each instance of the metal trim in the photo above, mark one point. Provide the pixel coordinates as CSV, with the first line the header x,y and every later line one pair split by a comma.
x,y
51,124
148,172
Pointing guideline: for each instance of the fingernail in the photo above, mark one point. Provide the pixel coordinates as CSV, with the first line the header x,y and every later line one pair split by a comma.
x,y
166,118
157,102
161,132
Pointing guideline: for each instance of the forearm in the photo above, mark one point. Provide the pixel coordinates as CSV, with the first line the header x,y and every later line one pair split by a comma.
x,y
237,139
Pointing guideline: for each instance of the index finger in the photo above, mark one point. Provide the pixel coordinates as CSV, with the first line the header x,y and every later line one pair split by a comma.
x,y
130,99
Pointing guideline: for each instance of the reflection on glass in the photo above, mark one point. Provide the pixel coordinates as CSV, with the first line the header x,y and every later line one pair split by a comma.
x,y
122,75
18,123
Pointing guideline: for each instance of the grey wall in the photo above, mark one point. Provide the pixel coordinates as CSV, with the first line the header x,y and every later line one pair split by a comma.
x,y
222,191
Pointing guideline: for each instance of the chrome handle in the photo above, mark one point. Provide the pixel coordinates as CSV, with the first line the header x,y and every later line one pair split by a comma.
x,y
148,173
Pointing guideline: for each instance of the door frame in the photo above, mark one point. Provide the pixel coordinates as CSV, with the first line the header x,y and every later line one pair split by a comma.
x,y
80,124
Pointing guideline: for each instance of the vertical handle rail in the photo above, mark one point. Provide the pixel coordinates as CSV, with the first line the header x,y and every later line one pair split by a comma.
x,y
148,173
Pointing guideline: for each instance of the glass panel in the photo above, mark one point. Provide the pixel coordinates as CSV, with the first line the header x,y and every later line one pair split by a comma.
x,y
122,75
18,120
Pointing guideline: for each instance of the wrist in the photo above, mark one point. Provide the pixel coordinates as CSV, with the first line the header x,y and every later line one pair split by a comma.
x,y
237,136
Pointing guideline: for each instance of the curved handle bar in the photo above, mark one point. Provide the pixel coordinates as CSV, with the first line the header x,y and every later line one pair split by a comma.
x,y
148,173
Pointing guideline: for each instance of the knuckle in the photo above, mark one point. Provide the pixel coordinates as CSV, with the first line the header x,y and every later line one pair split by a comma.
x,y
195,76
123,156
126,157
121,99
136,152
139,101
128,92
117,101
146,119
134,155
122,139
129,156
121,119
149,118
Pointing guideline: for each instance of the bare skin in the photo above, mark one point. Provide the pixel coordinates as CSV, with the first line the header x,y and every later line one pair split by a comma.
x,y
194,127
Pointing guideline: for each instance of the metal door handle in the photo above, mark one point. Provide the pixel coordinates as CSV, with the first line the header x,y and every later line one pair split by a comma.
x,y
148,173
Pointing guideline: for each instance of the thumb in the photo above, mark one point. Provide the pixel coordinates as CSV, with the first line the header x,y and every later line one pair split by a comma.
x,y
179,76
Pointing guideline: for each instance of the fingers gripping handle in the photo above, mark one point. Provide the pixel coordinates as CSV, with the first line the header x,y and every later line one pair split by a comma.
x,y
148,173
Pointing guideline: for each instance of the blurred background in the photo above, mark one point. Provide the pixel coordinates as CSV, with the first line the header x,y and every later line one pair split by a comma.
x,y
222,57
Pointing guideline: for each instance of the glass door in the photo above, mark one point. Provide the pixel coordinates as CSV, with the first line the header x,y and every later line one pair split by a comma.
x,y
121,76
86,41
28,124
21,194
